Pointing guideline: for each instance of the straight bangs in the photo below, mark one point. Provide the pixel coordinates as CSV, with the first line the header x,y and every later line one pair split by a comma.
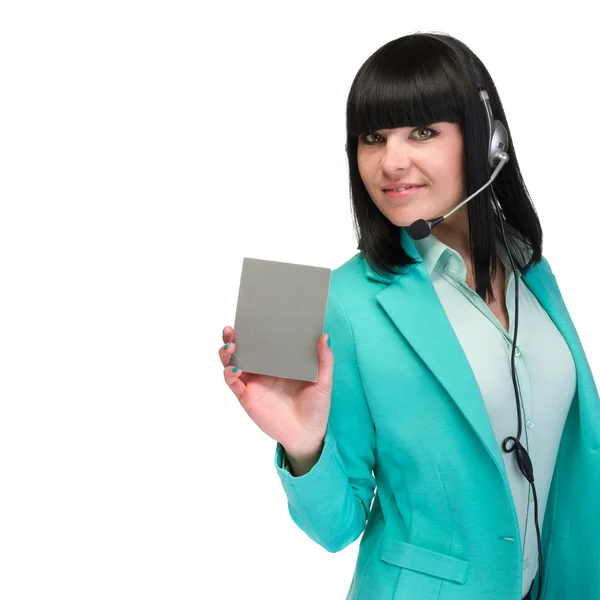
x,y
402,86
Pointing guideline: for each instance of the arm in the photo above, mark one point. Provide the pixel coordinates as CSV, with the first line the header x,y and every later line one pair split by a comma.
x,y
331,501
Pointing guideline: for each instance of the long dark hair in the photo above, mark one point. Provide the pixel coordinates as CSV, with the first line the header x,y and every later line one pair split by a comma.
x,y
414,81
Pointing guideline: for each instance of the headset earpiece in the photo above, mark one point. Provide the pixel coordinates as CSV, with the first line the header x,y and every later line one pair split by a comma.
x,y
499,143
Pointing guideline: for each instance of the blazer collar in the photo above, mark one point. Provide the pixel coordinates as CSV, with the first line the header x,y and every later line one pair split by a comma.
x,y
436,253
412,304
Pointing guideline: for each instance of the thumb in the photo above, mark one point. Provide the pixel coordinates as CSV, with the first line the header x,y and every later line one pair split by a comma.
x,y
324,377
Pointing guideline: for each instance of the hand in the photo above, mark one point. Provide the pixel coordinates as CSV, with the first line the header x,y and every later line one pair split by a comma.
x,y
292,412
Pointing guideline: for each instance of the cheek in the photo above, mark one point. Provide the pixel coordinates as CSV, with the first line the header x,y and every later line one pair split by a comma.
x,y
450,170
365,173
457,162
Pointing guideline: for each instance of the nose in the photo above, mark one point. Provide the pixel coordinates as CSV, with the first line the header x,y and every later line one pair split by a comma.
x,y
397,155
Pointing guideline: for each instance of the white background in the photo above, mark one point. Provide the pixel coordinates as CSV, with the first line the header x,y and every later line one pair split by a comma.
x,y
146,148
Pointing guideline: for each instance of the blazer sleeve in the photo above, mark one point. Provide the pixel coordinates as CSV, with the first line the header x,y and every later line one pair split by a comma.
x,y
331,503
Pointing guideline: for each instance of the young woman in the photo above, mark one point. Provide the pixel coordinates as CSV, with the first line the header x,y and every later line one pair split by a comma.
x,y
459,431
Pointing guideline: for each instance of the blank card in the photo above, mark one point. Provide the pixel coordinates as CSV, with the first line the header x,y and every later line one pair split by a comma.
x,y
279,318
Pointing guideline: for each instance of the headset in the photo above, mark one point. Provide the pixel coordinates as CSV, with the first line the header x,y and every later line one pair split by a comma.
x,y
497,158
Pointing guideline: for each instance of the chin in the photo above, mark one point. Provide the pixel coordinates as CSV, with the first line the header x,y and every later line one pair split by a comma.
x,y
403,218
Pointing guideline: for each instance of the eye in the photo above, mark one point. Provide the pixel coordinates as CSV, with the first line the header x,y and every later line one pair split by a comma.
x,y
433,132
425,133
367,138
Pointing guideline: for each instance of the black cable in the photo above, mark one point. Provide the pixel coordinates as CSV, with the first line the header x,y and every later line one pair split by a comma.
x,y
523,459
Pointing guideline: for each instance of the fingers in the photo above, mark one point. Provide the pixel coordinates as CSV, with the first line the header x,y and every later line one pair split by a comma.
x,y
232,379
227,334
225,353
234,382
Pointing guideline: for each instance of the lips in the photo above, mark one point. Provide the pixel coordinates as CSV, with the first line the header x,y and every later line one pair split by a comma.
x,y
402,193
398,187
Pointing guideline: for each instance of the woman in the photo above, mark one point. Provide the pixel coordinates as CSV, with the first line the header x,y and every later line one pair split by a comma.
x,y
414,439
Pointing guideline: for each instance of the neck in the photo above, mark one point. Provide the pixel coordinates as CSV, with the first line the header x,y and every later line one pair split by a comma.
x,y
454,232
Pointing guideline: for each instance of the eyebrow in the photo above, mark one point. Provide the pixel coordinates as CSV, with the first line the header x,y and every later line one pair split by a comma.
x,y
434,124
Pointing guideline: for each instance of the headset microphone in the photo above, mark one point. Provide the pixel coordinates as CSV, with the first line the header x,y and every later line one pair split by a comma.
x,y
422,228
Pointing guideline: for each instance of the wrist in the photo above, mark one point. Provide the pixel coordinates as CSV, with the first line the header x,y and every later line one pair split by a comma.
x,y
302,461
306,451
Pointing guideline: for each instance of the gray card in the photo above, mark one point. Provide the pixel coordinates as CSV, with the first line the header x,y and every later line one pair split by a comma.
x,y
279,318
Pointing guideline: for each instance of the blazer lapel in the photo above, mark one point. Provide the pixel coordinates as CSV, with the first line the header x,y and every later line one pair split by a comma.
x,y
412,304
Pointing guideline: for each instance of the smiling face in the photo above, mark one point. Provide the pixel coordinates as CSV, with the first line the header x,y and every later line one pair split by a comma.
x,y
430,157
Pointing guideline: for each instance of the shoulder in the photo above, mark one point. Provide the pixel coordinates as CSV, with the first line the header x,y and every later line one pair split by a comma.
x,y
542,267
545,265
344,279
352,282
350,272
352,290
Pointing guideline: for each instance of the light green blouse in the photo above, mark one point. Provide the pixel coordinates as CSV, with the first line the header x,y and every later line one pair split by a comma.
x,y
544,368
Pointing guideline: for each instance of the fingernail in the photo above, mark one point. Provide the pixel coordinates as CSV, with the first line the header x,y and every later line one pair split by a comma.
x,y
226,345
235,369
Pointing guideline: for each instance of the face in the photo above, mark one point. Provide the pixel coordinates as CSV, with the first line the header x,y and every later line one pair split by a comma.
x,y
429,156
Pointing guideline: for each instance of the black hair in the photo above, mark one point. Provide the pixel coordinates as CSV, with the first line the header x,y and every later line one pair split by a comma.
x,y
417,80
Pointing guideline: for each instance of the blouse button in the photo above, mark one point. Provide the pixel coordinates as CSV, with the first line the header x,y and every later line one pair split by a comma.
x,y
530,424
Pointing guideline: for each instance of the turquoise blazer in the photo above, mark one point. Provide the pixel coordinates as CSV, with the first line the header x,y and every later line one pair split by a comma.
x,y
411,462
